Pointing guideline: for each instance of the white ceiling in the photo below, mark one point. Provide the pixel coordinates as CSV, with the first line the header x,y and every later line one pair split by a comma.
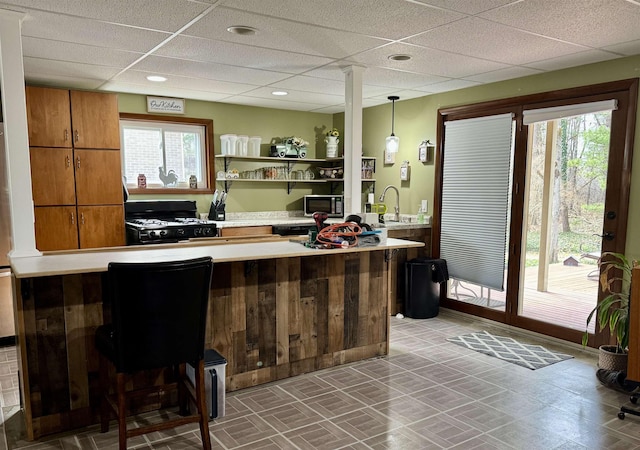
x,y
302,46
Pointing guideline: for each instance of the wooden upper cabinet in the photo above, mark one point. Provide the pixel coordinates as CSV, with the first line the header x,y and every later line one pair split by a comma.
x,y
48,116
101,226
95,120
52,180
98,177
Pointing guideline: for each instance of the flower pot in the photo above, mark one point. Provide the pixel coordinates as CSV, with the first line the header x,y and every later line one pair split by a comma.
x,y
332,146
609,359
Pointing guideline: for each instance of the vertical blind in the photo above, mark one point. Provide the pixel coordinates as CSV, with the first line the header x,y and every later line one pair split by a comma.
x,y
475,198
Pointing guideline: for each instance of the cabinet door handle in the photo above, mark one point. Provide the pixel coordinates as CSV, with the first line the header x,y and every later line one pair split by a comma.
x,y
77,135
77,162
82,218
73,219
67,161
66,135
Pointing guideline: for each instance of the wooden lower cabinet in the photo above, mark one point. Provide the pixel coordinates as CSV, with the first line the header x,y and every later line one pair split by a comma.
x,y
101,226
68,227
56,227
246,231
397,272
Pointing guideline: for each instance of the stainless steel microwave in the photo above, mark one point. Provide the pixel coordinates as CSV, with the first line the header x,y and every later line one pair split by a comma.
x,y
333,205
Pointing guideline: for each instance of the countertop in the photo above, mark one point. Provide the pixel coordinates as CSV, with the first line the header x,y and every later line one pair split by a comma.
x,y
220,249
253,219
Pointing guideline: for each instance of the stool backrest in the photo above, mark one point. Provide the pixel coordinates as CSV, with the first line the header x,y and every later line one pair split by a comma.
x,y
158,312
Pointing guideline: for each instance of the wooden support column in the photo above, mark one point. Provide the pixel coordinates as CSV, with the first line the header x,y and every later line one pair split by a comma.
x,y
547,206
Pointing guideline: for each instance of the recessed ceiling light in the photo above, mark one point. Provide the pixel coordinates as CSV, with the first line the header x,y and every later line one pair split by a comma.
x,y
156,78
279,93
400,57
242,30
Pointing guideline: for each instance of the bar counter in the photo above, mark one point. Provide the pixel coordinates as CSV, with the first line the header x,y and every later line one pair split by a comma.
x,y
277,309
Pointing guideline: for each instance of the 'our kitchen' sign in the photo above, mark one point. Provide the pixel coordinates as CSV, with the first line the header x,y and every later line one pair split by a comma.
x,y
165,105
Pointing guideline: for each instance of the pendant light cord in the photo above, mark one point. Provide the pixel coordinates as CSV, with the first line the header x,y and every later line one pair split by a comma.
x,y
393,99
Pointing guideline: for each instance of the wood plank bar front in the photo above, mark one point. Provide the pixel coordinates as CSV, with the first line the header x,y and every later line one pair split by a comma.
x,y
270,318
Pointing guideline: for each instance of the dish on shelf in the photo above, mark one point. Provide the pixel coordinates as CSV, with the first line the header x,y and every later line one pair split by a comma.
x,y
330,172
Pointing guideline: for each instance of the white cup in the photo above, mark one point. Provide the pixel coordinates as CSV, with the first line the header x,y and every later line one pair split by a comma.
x,y
204,216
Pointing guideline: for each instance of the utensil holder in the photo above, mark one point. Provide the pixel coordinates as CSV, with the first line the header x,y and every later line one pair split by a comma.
x,y
220,213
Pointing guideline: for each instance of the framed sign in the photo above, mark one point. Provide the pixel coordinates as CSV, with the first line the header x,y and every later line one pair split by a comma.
x,y
165,105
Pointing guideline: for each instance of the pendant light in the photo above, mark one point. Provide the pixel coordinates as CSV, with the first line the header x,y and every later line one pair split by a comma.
x,y
393,141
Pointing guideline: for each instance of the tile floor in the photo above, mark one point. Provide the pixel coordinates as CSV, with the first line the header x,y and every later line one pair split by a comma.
x,y
427,394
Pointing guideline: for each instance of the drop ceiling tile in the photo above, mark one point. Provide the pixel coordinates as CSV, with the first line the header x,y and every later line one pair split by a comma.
x,y
211,71
89,32
133,88
240,55
175,81
298,96
282,34
71,52
163,15
45,67
503,74
625,48
492,41
445,86
389,19
427,61
369,91
405,94
466,6
312,84
577,59
272,103
380,77
595,23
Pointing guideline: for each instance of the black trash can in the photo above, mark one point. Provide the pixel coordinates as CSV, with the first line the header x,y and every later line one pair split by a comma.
x,y
423,280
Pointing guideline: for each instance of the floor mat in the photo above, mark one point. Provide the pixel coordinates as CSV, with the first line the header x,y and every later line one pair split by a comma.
x,y
508,349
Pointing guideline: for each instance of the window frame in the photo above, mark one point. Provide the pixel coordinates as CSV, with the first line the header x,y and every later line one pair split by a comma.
x,y
208,150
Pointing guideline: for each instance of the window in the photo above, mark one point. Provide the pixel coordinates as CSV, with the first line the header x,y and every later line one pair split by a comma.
x,y
168,151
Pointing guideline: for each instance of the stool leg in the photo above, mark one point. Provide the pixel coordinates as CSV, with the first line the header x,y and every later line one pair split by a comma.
x,y
122,412
202,406
183,399
104,388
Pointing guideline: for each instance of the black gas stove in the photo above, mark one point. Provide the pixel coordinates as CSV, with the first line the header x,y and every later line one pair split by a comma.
x,y
164,221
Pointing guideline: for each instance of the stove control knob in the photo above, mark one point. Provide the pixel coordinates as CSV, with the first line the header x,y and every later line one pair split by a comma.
x,y
163,233
197,232
180,232
152,234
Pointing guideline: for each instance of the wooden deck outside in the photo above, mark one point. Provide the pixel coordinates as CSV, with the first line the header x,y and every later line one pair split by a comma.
x,y
570,297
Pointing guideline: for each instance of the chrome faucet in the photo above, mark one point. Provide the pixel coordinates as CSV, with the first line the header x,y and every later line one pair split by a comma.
x,y
396,209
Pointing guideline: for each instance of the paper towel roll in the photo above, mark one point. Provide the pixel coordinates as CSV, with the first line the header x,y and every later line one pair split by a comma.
x,y
371,199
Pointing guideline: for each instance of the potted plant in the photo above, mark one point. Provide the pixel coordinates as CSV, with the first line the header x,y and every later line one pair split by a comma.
x,y
613,310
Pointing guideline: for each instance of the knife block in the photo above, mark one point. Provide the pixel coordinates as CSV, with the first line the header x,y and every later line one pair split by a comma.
x,y
216,213
219,213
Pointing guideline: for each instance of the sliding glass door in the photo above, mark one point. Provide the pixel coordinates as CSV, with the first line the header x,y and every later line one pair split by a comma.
x,y
569,186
